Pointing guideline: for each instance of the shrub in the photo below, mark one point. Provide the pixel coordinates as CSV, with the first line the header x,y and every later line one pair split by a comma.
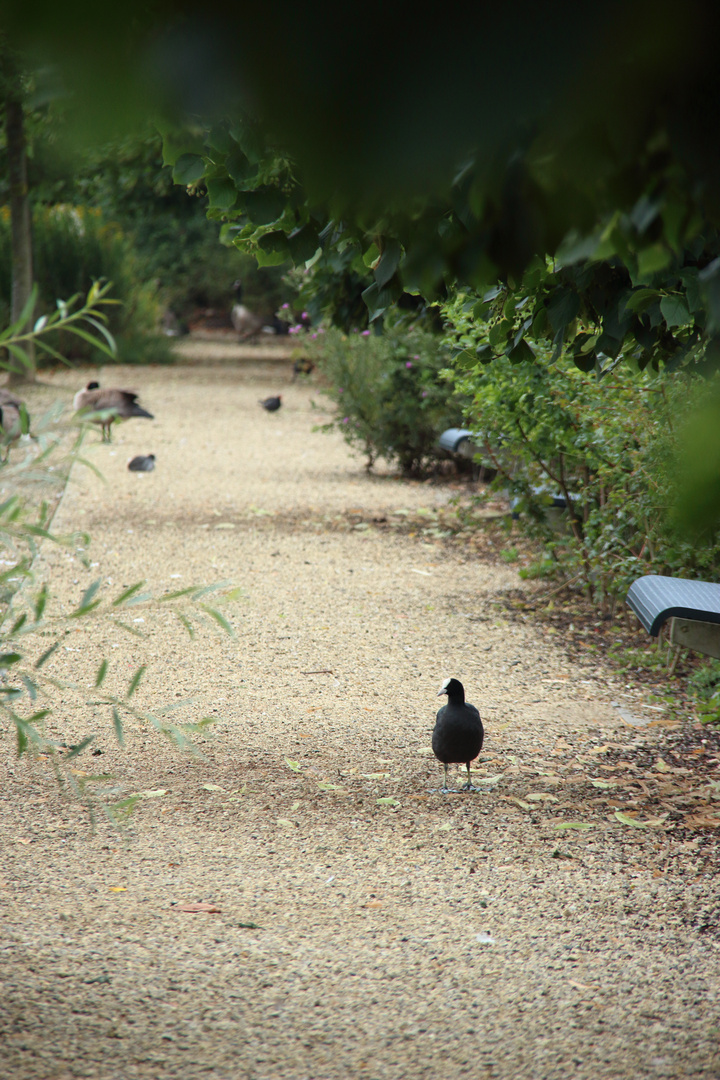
x,y
390,399
72,247
607,442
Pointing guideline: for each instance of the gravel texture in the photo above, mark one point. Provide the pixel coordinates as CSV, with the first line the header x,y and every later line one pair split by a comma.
x,y
367,925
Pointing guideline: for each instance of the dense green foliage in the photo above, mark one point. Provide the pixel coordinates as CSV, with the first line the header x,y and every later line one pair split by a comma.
x,y
72,248
607,442
390,399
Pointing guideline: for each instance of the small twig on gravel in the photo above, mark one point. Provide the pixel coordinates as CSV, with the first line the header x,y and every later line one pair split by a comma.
x,y
322,671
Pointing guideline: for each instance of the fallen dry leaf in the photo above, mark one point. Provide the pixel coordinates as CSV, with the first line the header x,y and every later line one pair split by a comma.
x,y
702,821
192,909
118,888
373,904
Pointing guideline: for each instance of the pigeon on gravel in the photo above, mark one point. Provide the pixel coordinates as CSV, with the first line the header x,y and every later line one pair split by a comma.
x,y
104,406
272,404
142,463
458,734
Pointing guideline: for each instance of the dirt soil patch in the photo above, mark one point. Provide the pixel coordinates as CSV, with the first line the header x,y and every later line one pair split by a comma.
x,y
300,901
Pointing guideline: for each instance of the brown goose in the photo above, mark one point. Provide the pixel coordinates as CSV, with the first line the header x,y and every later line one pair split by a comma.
x,y
104,406
11,423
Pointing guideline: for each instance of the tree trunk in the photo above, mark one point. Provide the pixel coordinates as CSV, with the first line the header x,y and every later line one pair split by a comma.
x,y
21,228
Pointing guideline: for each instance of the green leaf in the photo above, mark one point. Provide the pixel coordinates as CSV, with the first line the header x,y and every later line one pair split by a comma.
x,y
294,765
128,593
9,658
652,259
46,655
188,169
389,261
78,749
40,603
574,825
222,193
238,166
520,352
264,205
101,673
30,686
562,307
626,819
219,619
89,594
135,681
303,243
674,311
117,724
371,256
388,800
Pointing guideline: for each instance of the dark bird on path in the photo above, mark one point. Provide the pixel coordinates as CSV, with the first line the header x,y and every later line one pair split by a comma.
x,y
247,323
272,404
142,463
105,406
458,734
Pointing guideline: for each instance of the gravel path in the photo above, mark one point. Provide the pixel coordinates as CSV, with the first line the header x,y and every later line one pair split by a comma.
x,y
368,925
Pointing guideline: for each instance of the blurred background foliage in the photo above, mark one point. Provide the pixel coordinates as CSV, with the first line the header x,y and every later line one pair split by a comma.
x,y
547,173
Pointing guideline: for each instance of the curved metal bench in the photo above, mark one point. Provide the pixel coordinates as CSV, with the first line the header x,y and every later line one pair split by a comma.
x,y
692,606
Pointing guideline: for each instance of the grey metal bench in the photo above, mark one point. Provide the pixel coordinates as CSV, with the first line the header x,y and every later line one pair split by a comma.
x,y
692,606
461,443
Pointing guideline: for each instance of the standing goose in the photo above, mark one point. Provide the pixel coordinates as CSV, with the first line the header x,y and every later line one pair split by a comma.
x,y
104,406
11,424
458,734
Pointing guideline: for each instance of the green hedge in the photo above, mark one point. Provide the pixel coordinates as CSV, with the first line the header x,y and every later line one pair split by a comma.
x,y
72,247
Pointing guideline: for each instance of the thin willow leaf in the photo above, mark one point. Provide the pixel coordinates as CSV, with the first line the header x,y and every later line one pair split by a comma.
x,y
186,623
40,715
130,629
91,339
140,598
18,624
127,593
79,612
177,593
135,681
30,686
89,593
19,354
46,655
101,673
40,603
9,658
78,749
112,345
22,739
219,619
211,588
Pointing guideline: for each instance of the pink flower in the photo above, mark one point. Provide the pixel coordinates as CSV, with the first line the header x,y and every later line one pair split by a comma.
x,y
340,390
313,335
365,333
304,315
408,363
424,393
284,307
345,419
